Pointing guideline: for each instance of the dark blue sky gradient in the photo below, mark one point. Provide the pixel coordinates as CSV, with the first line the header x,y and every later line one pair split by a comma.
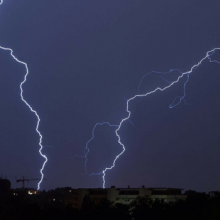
x,y
85,59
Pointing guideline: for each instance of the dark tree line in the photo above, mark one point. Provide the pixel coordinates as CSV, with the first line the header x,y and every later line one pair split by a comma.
x,y
197,206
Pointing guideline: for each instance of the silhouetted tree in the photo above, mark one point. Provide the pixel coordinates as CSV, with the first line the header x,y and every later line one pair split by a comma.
x,y
214,205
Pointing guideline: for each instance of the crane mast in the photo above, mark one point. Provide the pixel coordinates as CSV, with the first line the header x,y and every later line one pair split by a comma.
x,y
23,180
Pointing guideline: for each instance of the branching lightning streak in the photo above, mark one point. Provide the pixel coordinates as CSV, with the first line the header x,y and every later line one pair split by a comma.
x,y
174,104
157,72
86,150
181,98
32,110
213,61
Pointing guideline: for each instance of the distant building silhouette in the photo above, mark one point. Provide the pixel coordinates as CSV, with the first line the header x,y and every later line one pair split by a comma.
x,y
115,195
5,185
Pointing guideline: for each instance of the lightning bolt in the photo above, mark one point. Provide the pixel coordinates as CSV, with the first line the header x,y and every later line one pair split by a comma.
x,y
172,105
32,110
213,61
159,73
86,150
181,98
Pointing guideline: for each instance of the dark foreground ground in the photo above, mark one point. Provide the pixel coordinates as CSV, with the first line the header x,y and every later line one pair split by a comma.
x,y
199,206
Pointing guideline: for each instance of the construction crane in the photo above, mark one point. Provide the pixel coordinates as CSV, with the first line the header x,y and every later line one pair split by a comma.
x,y
23,180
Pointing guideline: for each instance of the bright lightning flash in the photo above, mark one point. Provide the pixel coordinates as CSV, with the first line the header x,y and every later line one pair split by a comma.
x,y
172,105
32,110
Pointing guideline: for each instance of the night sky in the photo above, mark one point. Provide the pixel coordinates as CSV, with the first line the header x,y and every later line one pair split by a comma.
x,y
86,58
